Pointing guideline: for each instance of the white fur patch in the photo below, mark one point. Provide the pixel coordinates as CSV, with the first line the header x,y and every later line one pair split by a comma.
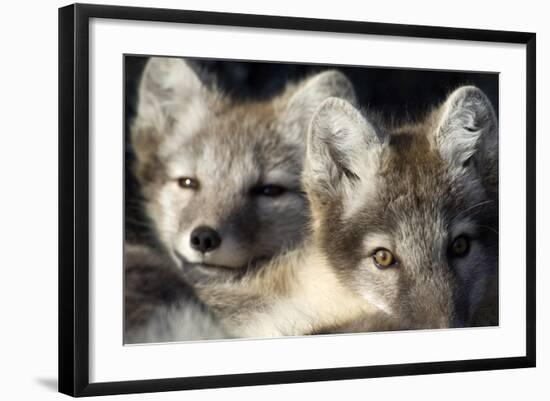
x,y
185,321
316,300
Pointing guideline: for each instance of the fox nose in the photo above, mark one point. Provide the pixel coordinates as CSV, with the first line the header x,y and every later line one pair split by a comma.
x,y
205,239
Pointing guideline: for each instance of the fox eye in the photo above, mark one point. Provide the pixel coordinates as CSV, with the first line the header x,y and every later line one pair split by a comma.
x,y
383,258
460,246
269,190
188,183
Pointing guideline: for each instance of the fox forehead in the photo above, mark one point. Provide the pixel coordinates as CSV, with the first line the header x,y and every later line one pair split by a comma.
x,y
414,194
417,188
215,158
257,149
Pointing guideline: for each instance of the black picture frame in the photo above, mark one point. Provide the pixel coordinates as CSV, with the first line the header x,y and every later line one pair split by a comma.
x,y
74,194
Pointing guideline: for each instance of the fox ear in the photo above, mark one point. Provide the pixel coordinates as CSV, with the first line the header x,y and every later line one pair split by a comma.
x,y
311,93
167,82
341,149
467,128
168,87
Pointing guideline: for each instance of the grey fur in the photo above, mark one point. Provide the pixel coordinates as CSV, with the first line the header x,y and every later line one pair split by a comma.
x,y
159,305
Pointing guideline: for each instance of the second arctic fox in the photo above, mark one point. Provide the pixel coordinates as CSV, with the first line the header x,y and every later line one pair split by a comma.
x,y
404,231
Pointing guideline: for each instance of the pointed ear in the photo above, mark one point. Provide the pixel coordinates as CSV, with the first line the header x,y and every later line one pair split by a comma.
x,y
167,81
342,150
310,94
467,128
168,87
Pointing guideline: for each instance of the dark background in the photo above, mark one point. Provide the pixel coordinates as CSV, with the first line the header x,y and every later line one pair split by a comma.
x,y
397,93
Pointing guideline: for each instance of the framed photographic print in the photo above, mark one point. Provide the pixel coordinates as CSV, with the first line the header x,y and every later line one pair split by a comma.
x,y
249,199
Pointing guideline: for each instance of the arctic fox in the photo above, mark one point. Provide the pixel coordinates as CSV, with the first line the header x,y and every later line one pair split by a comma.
x,y
221,178
404,230
221,184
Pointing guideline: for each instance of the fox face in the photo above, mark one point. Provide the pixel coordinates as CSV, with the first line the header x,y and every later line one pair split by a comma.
x,y
408,217
220,178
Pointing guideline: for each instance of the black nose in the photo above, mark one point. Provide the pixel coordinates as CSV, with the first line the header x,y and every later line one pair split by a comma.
x,y
205,239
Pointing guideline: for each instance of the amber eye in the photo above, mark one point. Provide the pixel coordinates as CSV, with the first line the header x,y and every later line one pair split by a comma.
x,y
384,258
460,246
188,183
269,190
